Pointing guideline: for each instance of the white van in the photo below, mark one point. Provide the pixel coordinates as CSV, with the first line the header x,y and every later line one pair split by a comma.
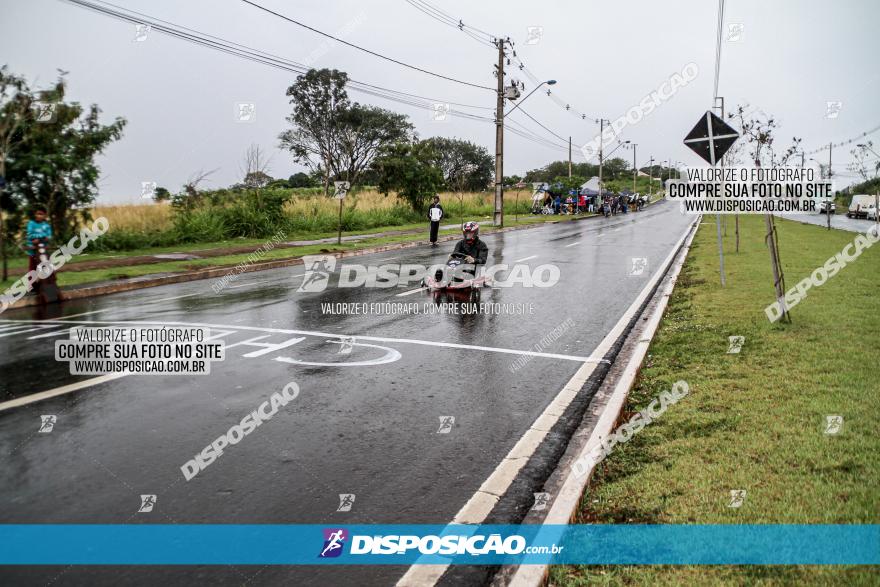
x,y
862,206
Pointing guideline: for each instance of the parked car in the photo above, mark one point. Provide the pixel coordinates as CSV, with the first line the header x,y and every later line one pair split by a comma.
x,y
861,206
827,205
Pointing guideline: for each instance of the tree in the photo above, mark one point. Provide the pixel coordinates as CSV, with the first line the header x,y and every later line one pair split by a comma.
x,y
300,180
332,136
255,168
319,99
465,166
161,194
49,158
408,169
614,168
862,161
756,129
362,132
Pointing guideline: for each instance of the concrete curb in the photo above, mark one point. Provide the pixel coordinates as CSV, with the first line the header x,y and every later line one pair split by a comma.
x,y
599,421
135,283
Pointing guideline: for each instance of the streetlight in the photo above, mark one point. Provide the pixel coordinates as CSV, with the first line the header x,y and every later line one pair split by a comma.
x,y
549,82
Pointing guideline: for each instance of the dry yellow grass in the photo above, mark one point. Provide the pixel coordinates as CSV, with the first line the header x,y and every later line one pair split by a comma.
x,y
149,217
136,217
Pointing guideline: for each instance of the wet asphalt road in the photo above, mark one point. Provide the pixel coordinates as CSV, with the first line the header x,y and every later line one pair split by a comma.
x,y
838,221
368,430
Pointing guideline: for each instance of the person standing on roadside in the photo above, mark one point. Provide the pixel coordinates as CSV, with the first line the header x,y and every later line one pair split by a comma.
x,y
435,213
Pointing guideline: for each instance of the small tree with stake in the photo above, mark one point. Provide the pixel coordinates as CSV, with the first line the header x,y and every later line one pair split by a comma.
x,y
757,129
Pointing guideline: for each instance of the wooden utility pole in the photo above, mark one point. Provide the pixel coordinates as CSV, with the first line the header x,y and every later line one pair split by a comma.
x,y
569,157
498,218
635,169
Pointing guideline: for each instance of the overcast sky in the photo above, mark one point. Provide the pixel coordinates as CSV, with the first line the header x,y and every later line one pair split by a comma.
x,y
791,58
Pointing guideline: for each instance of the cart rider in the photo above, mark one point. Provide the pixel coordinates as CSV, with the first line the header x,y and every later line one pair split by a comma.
x,y
474,250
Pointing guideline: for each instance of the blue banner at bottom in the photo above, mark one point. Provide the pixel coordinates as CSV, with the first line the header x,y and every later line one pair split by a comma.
x,y
206,544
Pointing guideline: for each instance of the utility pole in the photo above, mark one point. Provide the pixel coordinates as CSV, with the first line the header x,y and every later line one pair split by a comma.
x,y
602,122
828,206
498,219
569,157
718,216
651,179
635,169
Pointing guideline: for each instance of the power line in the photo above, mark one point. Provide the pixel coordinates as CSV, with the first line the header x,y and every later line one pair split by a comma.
x,y
252,54
844,143
258,56
368,51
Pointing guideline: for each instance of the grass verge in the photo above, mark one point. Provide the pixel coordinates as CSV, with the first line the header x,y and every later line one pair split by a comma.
x,y
753,420
67,278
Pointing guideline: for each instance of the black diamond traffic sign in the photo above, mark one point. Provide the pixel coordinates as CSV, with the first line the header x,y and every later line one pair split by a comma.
x,y
711,138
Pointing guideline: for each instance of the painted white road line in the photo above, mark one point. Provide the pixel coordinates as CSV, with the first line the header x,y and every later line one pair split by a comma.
x,y
526,259
82,314
11,331
237,327
481,503
198,293
36,397
572,244
410,292
243,285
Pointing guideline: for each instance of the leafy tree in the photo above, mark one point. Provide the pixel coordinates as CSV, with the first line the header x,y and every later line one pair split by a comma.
x,y
466,166
319,99
614,168
161,194
48,158
333,137
363,130
300,180
408,169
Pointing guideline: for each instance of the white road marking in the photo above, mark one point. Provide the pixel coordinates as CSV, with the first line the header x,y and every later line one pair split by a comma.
x,y
480,505
526,259
198,293
36,397
410,292
572,244
82,314
243,285
451,345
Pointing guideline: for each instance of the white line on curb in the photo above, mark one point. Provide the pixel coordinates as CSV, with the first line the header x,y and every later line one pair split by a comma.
x,y
526,259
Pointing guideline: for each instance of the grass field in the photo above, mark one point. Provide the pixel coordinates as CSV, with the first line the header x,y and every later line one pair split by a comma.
x,y
754,420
